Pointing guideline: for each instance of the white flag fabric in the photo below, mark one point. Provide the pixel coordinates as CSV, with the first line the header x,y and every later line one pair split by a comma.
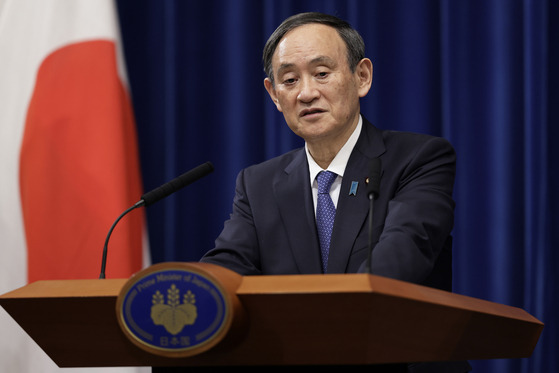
x,y
69,160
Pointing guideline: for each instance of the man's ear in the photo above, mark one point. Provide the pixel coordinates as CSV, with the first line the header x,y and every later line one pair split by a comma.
x,y
272,92
364,73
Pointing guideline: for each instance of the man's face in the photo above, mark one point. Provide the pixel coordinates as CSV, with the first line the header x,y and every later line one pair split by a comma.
x,y
314,86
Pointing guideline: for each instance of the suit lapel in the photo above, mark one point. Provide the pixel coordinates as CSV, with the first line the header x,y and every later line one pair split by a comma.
x,y
352,209
294,198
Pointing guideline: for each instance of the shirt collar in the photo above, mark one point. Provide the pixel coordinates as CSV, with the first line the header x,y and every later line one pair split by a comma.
x,y
339,162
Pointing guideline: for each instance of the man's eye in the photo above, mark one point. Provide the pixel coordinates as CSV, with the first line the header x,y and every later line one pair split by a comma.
x,y
289,81
322,74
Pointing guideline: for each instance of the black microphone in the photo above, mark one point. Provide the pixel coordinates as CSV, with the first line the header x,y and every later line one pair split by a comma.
x,y
177,183
374,179
157,194
373,188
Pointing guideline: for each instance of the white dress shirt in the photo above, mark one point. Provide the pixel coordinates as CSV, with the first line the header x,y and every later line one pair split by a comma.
x,y
337,166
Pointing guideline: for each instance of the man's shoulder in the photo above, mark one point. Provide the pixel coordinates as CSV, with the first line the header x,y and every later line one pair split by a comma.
x,y
413,139
278,163
376,141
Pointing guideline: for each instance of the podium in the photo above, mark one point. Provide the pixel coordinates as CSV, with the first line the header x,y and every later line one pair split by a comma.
x,y
287,320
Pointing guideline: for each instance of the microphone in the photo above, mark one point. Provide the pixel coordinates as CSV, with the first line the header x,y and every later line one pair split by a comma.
x,y
374,179
373,188
157,194
177,183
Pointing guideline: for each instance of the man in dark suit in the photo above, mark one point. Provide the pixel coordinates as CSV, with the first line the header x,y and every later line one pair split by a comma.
x,y
317,73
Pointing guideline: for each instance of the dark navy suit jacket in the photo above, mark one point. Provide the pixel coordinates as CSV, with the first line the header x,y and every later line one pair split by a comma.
x,y
272,228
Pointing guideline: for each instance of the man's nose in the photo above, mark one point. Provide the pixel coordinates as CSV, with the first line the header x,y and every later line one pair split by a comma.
x,y
308,90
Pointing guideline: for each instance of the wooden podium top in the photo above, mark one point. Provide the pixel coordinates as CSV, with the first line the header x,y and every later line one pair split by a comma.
x,y
286,320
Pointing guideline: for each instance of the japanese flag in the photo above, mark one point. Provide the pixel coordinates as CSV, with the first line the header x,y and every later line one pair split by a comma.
x,y
69,162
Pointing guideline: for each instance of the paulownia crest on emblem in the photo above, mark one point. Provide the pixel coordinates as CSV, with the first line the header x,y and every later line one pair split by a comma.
x,y
174,315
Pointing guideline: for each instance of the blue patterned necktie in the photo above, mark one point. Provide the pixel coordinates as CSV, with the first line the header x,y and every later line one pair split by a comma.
x,y
325,214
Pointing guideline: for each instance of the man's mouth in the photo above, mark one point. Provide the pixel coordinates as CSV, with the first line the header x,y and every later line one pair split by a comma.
x,y
308,112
